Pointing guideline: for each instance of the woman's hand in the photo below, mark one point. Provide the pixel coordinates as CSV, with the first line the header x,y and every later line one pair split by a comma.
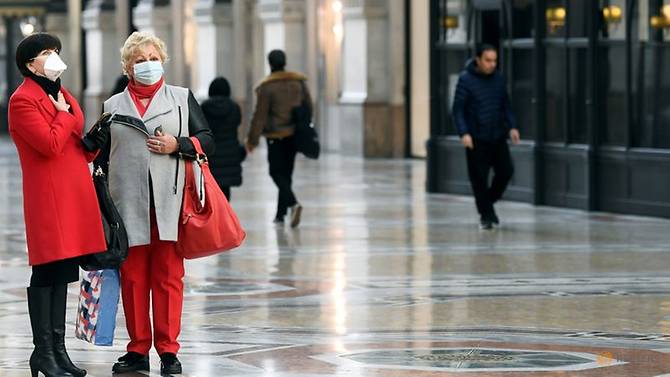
x,y
60,105
98,135
162,144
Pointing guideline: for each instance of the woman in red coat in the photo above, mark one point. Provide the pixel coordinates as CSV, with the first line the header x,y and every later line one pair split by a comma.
x,y
61,211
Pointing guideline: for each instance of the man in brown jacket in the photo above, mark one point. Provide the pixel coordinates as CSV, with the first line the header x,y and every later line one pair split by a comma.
x,y
276,97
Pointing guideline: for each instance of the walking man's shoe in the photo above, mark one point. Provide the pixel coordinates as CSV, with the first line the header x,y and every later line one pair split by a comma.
x,y
296,212
131,362
495,220
170,364
485,223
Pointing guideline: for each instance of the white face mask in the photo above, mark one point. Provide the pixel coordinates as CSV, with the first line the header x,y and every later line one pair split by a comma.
x,y
149,72
54,67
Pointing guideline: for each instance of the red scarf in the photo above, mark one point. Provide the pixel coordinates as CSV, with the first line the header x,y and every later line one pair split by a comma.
x,y
140,92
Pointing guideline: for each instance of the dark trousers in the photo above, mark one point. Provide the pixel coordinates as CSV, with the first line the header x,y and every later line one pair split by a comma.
x,y
55,273
481,159
281,157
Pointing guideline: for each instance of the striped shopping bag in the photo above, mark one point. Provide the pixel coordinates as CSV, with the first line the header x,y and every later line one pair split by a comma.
x,y
98,302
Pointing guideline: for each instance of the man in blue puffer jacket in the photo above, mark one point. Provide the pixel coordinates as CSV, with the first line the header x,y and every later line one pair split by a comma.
x,y
484,120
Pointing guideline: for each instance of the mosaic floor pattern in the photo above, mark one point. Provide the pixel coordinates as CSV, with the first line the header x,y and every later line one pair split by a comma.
x,y
384,280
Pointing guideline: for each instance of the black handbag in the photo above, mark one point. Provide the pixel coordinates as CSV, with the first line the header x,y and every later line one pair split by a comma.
x,y
115,232
305,136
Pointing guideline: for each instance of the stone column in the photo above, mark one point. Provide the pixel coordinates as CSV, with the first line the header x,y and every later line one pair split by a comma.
x,y
311,45
216,44
284,28
122,15
395,53
155,16
57,24
367,79
241,81
312,57
75,43
420,88
176,45
243,44
103,58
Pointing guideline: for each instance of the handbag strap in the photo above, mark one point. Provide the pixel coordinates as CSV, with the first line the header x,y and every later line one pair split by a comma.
x,y
198,148
200,159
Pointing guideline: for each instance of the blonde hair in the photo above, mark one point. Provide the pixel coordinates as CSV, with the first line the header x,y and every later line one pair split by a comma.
x,y
135,42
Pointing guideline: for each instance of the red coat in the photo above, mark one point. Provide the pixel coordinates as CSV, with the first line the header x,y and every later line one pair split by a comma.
x,y
59,202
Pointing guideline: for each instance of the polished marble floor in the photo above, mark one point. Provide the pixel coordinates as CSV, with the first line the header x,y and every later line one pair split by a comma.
x,y
382,279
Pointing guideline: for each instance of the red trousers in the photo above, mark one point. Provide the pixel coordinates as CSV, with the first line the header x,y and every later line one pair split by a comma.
x,y
157,269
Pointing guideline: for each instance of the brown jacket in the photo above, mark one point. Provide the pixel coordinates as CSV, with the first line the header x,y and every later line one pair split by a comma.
x,y
277,96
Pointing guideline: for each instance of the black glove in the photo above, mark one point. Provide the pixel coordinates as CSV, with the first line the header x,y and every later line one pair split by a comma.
x,y
98,136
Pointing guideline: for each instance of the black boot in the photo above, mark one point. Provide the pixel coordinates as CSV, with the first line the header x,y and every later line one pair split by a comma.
x,y
42,359
58,305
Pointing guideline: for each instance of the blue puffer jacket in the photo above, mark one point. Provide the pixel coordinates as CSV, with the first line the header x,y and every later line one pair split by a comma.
x,y
481,105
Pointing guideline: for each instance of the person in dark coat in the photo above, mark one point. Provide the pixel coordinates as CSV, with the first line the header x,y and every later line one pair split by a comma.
x,y
484,121
277,96
224,118
120,85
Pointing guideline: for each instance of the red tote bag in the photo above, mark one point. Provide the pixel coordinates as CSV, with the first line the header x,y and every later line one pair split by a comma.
x,y
209,228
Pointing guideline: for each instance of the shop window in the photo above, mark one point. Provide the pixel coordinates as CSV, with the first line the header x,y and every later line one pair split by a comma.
x,y
455,64
653,129
613,109
555,95
556,14
578,89
613,20
567,93
651,83
522,19
567,18
612,93
455,21
520,77
577,18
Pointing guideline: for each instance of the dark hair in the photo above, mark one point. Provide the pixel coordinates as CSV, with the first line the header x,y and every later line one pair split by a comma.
x,y
482,48
31,46
219,87
277,60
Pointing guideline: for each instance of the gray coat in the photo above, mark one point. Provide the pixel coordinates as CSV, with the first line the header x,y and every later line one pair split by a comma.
x,y
136,176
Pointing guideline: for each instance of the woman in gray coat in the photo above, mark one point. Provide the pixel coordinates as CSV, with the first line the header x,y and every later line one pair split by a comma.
x,y
148,147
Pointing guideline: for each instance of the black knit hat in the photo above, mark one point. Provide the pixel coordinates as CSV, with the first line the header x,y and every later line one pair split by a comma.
x,y
31,46
219,88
